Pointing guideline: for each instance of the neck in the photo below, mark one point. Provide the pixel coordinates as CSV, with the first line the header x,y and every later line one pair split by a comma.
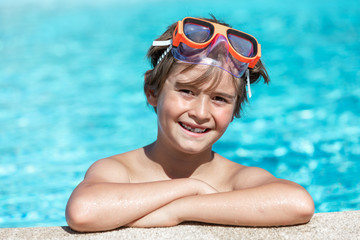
x,y
177,164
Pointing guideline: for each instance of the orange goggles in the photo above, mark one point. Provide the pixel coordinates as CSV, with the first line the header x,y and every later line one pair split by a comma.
x,y
198,34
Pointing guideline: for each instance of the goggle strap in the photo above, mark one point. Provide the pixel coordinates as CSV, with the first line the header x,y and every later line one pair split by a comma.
x,y
248,82
161,44
164,54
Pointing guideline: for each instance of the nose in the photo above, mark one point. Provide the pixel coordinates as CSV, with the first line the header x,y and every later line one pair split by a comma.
x,y
200,110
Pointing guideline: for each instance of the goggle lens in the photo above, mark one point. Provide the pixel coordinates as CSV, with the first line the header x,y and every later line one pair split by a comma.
x,y
241,45
197,33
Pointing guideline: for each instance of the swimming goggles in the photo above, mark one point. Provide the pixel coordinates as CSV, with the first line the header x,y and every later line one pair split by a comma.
x,y
198,41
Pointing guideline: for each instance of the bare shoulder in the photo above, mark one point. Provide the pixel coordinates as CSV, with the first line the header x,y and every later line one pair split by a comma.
x,y
242,176
111,169
252,177
226,178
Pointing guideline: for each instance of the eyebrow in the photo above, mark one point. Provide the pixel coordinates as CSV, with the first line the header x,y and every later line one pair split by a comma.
x,y
180,84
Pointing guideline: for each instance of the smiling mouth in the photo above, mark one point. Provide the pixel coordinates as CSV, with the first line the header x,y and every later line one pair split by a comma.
x,y
194,130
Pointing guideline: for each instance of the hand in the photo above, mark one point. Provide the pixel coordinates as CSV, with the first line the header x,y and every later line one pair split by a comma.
x,y
162,217
170,214
202,187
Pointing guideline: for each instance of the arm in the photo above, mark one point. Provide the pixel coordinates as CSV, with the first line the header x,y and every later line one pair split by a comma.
x,y
106,200
274,204
267,202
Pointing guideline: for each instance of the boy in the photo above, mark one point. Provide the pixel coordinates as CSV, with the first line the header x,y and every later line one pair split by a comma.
x,y
197,86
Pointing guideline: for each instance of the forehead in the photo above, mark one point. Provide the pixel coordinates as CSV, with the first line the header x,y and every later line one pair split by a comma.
x,y
204,77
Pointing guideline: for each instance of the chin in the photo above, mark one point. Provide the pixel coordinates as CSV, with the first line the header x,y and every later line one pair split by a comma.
x,y
193,149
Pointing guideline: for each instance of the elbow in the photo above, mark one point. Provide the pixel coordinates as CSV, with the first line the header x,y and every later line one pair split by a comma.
x,y
77,216
296,203
306,211
83,216
304,208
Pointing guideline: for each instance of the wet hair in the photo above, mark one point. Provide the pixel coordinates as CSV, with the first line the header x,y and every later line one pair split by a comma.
x,y
156,77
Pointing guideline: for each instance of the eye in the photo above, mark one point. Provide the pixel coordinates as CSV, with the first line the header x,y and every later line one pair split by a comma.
x,y
220,99
186,91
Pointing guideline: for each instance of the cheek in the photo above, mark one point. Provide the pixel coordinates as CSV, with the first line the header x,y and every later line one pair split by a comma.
x,y
171,105
224,117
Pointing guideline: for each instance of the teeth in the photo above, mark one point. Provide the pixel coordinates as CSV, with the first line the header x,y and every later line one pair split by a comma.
x,y
195,130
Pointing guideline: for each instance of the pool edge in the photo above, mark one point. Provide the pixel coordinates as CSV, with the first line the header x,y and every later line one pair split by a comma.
x,y
334,225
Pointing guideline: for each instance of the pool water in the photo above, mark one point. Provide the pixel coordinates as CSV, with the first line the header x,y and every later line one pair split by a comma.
x,y
71,93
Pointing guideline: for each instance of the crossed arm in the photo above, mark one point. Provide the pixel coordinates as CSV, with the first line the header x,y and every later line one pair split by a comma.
x,y
99,204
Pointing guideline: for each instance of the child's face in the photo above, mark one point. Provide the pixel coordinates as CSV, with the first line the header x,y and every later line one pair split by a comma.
x,y
191,119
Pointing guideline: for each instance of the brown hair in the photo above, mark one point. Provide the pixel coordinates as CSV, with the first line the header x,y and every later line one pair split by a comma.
x,y
155,78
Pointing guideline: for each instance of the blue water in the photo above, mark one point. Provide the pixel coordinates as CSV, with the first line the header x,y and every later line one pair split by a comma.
x,y
71,93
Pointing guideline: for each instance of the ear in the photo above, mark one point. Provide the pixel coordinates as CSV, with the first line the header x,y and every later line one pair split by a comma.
x,y
150,94
151,97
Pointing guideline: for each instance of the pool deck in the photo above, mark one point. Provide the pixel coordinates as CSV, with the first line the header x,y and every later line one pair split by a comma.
x,y
338,225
